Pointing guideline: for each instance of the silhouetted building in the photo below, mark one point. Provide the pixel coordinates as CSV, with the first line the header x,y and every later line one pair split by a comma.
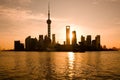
x,y
49,22
74,38
97,38
41,43
96,43
53,39
40,38
93,44
88,42
67,35
82,39
64,42
47,42
82,44
30,43
18,46
34,44
104,47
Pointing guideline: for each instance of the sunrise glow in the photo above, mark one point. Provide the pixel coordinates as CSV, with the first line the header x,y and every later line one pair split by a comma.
x,y
85,17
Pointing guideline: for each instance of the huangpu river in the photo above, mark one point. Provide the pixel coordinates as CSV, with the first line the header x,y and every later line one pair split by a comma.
x,y
104,65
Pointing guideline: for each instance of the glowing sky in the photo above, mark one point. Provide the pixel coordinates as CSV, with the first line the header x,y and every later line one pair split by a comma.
x,y
21,18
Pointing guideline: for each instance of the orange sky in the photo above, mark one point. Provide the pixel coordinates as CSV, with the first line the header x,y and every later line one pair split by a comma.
x,y
21,18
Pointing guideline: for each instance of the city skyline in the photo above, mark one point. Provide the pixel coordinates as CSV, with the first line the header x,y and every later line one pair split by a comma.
x,y
17,23
44,43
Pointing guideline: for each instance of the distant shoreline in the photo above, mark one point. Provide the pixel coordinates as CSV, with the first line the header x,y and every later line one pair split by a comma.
x,y
62,51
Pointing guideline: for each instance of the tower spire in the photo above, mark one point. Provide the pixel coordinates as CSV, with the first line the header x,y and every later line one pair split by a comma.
x,y
49,9
49,21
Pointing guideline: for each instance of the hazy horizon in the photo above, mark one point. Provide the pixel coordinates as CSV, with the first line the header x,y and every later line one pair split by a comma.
x,y
22,18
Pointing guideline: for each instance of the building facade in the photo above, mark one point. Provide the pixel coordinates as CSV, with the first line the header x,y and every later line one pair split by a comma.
x,y
18,46
67,35
53,39
97,38
74,38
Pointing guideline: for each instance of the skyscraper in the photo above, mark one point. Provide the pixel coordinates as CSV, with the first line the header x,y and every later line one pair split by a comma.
x,y
41,43
97,38
49,21
82,39
47,41
53,39
18,46
30,43
74,38
67,35
88,41
41,38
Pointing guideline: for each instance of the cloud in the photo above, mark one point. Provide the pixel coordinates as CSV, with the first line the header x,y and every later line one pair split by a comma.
x,y
19,14
99,1
14,21
19,1
14,3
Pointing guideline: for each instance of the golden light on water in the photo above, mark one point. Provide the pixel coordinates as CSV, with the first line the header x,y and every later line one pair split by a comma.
x,y
71,59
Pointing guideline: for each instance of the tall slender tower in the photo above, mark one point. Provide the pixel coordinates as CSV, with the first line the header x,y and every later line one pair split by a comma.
x,y
97,38
74,38
67,35
49,21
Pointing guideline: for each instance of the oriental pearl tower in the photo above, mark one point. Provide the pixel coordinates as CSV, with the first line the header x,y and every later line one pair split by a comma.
x,y
49,21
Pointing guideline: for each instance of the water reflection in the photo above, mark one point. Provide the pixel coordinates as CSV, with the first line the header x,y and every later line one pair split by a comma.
x,y
71,60
59,66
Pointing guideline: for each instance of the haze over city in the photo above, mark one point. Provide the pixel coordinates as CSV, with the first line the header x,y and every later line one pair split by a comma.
x,y
21,18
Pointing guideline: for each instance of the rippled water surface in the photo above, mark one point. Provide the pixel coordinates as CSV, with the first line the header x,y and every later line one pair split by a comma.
x,y
60,65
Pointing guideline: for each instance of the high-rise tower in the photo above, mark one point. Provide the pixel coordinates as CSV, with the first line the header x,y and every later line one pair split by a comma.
x,y
49,21
53,39
67,35
74,38
97,38
88,40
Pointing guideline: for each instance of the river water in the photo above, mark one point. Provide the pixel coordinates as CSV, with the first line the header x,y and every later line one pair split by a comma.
x,y
60,65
